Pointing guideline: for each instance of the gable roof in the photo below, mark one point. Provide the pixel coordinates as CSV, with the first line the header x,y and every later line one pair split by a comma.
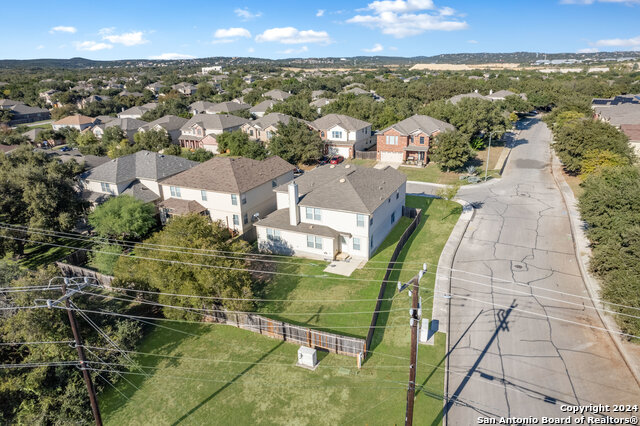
x,y
422,123
632,131
320,102
139,110
347,187
167,122
124,123
344,121
230,175
620,114
141,165
457,98
227,107
271,119
214,121
74,120
263,106
277,94
201,105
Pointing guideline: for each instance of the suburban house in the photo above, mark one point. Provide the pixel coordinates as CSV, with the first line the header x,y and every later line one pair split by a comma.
x,y
47,96
185,88
343,135
264,128
408,141
201,125
316,94
137,111
276,95
235,191
260,109
457,98
129,126
154,87
633,133
22,113
200,107
616,100
170,124
337,210
501,95
320,103
79,122
137,175
619,114
82,103
204,107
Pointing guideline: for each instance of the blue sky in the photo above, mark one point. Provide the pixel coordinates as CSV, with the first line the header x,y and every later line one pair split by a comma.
x,y
277,29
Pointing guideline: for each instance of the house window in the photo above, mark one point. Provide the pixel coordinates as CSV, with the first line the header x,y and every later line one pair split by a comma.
x,y
105,187
317,214
273,234
236,220
360,221
245,220
234,199
356,243
310,241
203,195
251,132
244,199
274,183
309,213
336,134
421,140
322,134
397,195
393,217
269,135
175,191
371,242
319,243
371,222
392,140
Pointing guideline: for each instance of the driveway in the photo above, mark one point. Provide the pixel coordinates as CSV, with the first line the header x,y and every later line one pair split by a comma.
x,y
513,349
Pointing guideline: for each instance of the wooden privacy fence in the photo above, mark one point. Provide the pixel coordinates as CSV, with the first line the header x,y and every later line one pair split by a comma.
x,y
336,343
78,271
367,155
415,215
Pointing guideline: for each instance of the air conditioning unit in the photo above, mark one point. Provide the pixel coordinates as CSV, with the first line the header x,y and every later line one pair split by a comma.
x,y
307,358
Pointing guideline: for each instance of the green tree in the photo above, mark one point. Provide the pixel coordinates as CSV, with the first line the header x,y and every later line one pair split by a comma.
x,y
237,143
36,191
89,144
105,257
152,140
596,160
576,138
123,217
113,135
451,150
514,103
200,155
296,106
296,143
224,277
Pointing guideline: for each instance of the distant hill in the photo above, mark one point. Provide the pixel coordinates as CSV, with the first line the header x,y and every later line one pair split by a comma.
x,y
448,58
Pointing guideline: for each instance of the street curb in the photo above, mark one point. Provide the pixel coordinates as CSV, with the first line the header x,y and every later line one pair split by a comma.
x,y
442,307
582,253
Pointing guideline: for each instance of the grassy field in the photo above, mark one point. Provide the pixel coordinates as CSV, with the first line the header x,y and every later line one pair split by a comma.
x,y
37,255
234,376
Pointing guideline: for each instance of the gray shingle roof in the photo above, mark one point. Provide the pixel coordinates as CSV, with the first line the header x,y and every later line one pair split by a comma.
x,y
319,103
422,123
124,123
344,121
457,98
279,219
138,190
263,106
277,94
167,122
230,175
139,110
347,187
227,107
271,119
215,121
141,165
620,114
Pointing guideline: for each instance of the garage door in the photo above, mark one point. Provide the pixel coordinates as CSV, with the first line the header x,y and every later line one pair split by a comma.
x,y
339,150
391,157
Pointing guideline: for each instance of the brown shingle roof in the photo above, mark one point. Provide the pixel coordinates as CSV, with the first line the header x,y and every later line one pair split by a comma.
x,y
632,131
230,175
75,120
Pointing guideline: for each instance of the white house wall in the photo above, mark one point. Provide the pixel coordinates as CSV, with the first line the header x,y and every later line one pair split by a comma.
x,y
382,218
296,244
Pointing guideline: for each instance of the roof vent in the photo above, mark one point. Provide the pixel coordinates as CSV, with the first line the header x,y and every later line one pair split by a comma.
x,y
342,180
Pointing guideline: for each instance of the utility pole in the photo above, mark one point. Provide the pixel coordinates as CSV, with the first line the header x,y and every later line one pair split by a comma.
x,y
486,169
415,314
83,361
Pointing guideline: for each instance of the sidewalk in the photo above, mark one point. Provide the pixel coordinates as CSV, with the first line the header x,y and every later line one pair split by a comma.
x,y
629,352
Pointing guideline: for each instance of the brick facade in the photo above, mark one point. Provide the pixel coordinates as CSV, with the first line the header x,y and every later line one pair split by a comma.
x,y
404,141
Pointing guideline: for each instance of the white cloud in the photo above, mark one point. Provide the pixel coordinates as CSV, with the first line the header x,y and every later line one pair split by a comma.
x,y
376,48
224,40
619,42
106,31
292,51
40,47
472,41
133,38
166,56
588,50
291,35
403,18
63,29
320,12
251,50
92,46
232,32
245,14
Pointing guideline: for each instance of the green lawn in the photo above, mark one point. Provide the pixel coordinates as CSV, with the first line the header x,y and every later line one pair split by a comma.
x,y
38,255
244,378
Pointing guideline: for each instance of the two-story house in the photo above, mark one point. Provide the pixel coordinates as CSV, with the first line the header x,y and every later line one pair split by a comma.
x,y
235,191
129,126
336,209
185,88
277,95
201,125
343,135
409,140
77,121
170,124
137,111
260,109
263,129
136,174
22,113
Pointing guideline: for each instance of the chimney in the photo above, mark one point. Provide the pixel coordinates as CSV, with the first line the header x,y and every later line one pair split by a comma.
x,y
294,212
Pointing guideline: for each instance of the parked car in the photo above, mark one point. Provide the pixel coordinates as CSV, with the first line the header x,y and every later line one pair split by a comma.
x,y
323,161
65,149
297,172
336,159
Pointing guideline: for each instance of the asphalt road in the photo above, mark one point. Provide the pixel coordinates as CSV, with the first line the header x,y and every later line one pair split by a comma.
x,y
509,352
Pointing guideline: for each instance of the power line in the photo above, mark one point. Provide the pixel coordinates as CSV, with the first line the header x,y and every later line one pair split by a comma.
x,y
40,364
60,342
